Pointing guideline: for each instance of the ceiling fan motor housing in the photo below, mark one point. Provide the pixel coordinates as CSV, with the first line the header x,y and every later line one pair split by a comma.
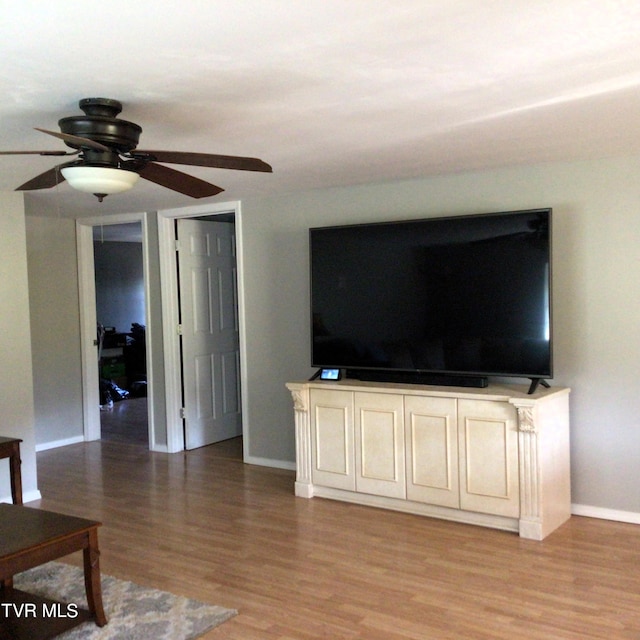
x,y
101,125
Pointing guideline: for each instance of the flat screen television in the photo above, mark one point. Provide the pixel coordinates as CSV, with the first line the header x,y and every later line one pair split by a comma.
x,y
449,300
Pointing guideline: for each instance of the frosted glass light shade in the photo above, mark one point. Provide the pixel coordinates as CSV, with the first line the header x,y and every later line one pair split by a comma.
x,y
102,180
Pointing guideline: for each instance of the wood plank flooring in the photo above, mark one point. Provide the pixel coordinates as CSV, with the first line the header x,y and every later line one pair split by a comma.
x,y
205,525
126,421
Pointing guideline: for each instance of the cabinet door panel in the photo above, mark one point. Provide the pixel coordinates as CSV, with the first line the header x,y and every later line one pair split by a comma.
x,y
488,443
432,450
332,438
380,467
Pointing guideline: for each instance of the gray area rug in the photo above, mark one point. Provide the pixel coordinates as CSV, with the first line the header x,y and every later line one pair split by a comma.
x,y
133,612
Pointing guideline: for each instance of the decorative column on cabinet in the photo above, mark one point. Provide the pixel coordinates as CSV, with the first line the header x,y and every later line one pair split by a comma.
x,y
529,477
543,449
300,394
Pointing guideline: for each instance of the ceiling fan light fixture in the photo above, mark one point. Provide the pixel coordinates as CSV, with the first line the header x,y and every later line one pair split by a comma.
x,y
101,181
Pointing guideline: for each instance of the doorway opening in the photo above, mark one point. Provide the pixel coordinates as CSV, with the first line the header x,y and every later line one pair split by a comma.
x,y
91,232
121,331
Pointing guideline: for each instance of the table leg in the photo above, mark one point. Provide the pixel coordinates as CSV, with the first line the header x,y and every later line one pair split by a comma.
x,y
6,584
92,582
16,477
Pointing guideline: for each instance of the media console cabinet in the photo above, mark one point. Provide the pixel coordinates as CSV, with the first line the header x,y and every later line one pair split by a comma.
x,y
496,457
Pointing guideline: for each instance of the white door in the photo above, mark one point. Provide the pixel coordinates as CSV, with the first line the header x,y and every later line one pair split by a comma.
x,y
210,343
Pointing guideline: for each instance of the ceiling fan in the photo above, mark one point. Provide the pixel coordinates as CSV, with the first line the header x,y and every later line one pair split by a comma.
x,y
108,160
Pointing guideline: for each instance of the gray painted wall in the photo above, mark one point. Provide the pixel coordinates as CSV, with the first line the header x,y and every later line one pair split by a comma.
x,y
53,300
119,284
16,379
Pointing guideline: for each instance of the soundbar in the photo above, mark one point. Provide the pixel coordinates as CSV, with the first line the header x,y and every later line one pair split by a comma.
x,y
408,377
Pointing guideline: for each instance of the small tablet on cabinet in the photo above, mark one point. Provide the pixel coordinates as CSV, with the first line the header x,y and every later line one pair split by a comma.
x,y
330,374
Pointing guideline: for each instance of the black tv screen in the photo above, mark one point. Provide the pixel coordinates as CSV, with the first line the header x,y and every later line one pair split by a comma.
x,y
464,296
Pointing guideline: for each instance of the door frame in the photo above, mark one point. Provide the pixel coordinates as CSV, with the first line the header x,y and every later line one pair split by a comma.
x,y
88,323
170,315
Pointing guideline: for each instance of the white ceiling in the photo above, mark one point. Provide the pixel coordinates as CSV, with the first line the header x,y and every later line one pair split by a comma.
x,y
329,92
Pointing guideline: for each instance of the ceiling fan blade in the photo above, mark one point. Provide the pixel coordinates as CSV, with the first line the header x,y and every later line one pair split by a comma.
x,y
45,180
76,140
38,153
207,160
179,181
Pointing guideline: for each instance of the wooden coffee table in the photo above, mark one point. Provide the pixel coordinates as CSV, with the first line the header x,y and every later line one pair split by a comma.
x,y
31,537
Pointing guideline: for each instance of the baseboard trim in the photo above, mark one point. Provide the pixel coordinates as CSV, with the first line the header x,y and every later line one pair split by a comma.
x,y
27,496
605,514
267,462
58,443
31,496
